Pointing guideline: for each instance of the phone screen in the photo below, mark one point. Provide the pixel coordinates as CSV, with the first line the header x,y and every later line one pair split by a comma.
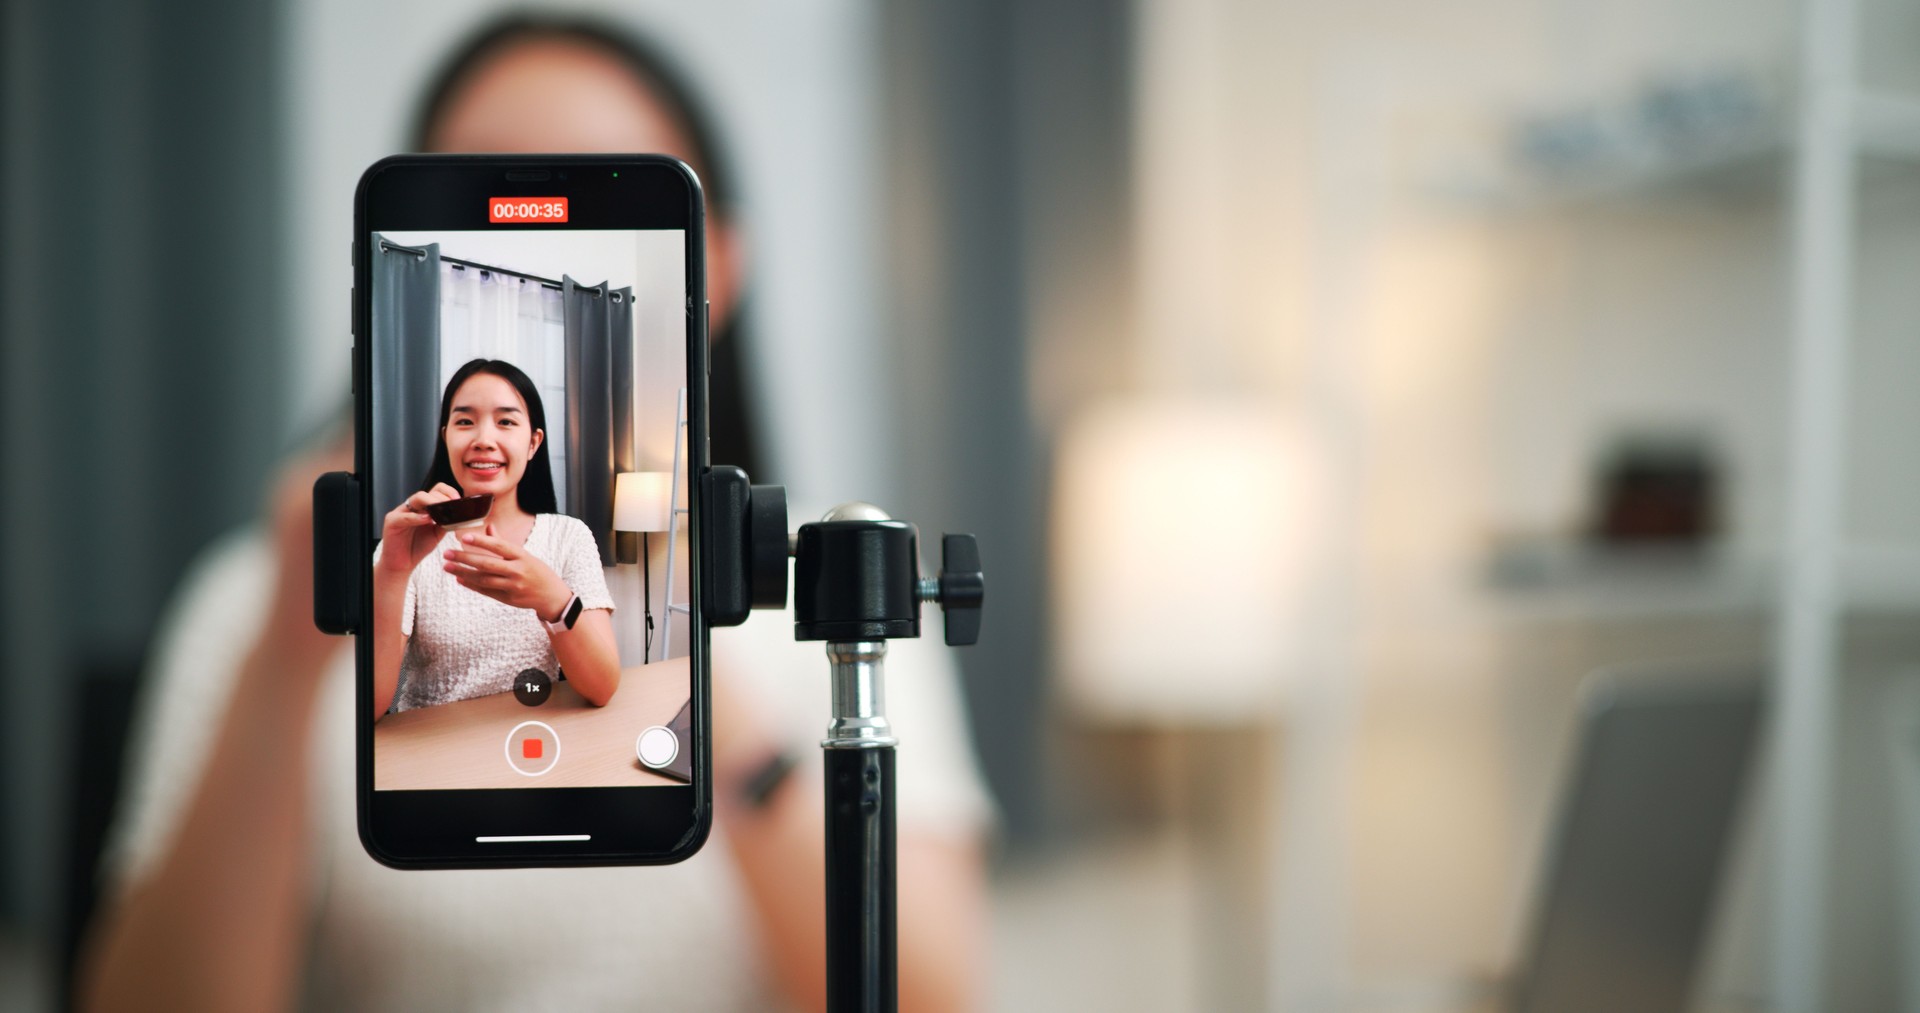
x,y
531,422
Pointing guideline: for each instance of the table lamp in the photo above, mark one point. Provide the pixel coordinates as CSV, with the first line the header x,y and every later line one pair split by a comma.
x,y
642,501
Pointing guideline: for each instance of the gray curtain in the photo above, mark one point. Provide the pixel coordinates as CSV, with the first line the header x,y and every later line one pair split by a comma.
x,y
599,330
406,370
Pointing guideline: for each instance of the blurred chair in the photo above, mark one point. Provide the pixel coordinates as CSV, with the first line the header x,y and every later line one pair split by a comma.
x,y
1639,847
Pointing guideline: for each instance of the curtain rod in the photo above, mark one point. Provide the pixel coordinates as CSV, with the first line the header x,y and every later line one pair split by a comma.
x,y
388,246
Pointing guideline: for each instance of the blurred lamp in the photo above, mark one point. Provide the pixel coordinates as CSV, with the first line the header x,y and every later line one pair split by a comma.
x,y
1184,535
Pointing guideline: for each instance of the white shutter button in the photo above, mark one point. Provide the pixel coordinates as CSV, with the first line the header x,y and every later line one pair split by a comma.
x,y
657,746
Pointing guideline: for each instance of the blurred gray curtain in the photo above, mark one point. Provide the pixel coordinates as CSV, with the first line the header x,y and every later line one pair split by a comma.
x,y
134,138
599,330
406,369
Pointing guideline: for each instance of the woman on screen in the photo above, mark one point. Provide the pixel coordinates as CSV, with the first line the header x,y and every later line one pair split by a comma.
x,y
459,613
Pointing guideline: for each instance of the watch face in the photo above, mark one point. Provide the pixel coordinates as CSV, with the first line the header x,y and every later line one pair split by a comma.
x,y
573,611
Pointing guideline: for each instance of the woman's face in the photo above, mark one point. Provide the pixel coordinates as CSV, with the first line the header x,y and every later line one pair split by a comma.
x,y
489,436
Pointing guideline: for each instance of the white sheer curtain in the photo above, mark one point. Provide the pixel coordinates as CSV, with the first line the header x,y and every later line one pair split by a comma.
x,y
488,315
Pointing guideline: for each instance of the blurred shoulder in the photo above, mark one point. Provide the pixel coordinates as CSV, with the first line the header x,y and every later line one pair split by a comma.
x,y
209,624
941,788
224,587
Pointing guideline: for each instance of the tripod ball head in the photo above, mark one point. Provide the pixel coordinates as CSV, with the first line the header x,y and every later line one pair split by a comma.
x,y
857,577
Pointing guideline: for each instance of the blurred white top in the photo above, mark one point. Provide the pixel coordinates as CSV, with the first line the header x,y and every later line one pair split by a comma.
x,y
676,937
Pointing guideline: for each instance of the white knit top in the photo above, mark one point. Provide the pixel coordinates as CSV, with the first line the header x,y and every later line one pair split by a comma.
x,y
462,644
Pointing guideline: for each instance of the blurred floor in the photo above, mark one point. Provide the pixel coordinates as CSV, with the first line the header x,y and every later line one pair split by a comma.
x,y
1108,926
1113,926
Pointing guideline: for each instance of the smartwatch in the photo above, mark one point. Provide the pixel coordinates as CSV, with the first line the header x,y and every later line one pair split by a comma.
x,y
568,616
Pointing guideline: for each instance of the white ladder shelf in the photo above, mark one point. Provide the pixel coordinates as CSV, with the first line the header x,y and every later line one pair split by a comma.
x,y
673,528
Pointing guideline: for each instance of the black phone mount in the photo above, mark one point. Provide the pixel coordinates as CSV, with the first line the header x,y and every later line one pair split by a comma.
x,y
857,584
337,538
744,544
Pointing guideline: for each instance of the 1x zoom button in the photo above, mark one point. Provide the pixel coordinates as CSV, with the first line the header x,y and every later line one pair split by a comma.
x,y
532,687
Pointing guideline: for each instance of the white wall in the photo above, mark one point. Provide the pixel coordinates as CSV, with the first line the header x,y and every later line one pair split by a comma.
x,y
792,87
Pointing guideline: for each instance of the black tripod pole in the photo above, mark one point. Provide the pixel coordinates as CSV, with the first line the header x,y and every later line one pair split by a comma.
x,y
861,959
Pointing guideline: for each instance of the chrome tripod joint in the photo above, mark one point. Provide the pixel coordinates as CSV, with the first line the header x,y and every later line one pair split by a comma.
x,y
859,695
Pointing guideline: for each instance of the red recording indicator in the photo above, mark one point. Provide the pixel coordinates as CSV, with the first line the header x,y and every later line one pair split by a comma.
x,y
526,209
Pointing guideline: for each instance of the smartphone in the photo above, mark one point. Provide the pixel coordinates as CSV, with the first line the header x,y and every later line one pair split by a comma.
x,y
530,363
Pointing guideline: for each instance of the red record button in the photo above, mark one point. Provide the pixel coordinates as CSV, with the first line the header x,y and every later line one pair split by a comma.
x,y
526,209
533,747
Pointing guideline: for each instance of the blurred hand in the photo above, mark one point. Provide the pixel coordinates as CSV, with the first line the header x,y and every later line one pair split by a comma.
x,y
508,574
408,534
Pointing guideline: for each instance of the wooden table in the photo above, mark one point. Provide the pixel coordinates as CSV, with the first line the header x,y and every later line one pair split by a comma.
x,y
464,744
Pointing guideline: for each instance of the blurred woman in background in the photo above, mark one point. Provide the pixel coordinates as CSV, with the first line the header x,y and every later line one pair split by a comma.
x,y
240,879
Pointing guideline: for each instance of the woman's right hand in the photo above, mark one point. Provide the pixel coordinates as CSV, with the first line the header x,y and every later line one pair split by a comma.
x,y
408,527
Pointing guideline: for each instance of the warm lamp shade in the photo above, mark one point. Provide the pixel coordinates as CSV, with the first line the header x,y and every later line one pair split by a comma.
x,y
642,501
1183,536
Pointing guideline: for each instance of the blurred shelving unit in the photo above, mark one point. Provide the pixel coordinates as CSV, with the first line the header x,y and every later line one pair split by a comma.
x,y
1885,130
1833,135
1834,124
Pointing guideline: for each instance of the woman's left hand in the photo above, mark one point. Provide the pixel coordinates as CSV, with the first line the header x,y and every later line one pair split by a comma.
x,y
508,574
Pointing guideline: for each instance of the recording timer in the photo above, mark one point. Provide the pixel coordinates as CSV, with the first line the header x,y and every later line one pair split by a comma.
x,y
526,209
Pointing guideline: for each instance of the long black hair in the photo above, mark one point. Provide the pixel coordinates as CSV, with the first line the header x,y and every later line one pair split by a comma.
x,y
733,433
535,491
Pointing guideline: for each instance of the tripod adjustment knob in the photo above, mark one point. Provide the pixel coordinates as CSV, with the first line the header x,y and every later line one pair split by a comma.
x,y
962,588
